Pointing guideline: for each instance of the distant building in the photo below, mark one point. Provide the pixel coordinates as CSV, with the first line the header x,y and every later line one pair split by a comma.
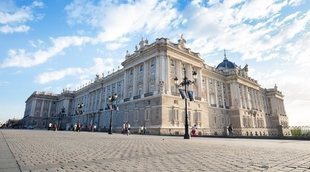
x,y
147,96
13,123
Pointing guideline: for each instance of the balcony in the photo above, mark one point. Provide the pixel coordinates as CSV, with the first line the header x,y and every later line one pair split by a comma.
x,y
126,99
198,98
137,97
148,94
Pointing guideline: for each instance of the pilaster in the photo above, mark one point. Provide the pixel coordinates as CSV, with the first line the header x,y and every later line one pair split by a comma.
x,y
168,79
157,76
145,73
41,111
134,90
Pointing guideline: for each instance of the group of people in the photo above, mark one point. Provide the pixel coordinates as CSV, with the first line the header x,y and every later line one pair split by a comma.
x,y
194,130
126,128
77,127
142,129
52,126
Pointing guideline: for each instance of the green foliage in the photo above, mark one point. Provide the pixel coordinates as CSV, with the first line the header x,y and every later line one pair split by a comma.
x,y
296,132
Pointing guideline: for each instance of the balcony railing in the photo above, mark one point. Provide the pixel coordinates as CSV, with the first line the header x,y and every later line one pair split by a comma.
x,y
137,97
198,98
126,99
148,94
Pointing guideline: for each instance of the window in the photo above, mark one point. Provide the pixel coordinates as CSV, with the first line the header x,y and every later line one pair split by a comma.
x,y
152,62
176,102
147,114
141,68
172,63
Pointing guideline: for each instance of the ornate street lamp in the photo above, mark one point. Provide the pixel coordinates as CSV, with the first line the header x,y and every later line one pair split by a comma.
x,y
80,108
185,83
112,106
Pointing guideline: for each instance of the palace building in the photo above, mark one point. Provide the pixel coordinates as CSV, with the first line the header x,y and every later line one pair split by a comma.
x,y
148,96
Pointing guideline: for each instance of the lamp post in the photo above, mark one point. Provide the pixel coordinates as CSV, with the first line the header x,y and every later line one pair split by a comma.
x,y
185,83
111,107
80,109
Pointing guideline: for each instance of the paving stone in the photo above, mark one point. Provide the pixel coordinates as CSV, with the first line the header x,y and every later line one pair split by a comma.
x,y
85,151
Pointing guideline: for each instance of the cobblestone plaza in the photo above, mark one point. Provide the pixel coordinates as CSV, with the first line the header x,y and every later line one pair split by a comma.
x,y
40,150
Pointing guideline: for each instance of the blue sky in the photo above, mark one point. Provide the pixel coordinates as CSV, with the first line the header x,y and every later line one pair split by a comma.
x,y
51,45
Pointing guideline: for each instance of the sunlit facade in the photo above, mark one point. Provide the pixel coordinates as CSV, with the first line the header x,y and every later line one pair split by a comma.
x,y
148,96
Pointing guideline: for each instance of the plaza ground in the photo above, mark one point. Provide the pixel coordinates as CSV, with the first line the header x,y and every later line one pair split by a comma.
x,y
40,150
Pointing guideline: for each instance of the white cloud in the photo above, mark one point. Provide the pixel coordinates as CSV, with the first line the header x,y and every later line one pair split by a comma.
x,y
21,58
13,29
57,75
102,65
13,19
257,9
119,20
253,29
115,21
18,17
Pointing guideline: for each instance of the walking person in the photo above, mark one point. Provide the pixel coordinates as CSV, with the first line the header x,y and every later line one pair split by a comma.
x,y
50,125
55,127
78,127
75,127
193,132
124,128
230,130
128,132
141,129
144,130
94,128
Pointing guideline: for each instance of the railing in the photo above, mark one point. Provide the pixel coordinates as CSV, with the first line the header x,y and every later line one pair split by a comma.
x,y
126,99
148,94
137,97
198,98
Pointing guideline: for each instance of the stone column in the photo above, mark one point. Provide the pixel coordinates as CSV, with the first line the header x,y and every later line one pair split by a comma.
x,y
216,96
257,99
49,109
125,84
33,106
145,80
157,75
244,103
134,91
248,99
163,72
207,91
199,83
223,95
41,111
168,77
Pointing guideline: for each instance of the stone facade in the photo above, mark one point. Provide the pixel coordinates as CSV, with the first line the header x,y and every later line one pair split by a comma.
x,y
147,95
